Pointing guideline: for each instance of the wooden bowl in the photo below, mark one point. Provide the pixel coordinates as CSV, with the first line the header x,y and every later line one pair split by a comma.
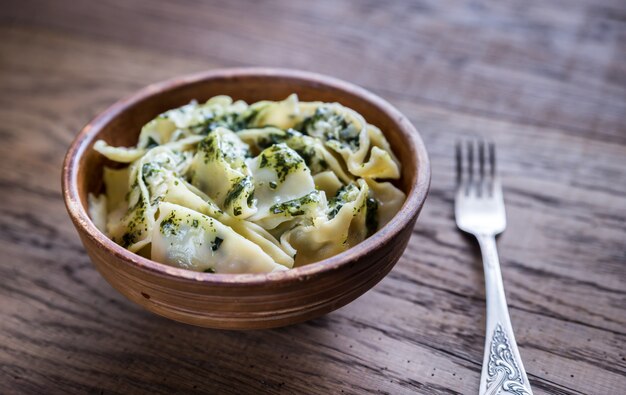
x,y
243,301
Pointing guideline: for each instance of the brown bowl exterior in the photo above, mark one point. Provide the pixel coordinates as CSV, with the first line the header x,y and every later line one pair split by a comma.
x,y
244,301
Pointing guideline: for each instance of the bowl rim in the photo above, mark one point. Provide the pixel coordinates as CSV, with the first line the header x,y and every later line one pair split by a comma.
x,y
412,205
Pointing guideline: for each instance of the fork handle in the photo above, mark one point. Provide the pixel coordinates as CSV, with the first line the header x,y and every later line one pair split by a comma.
x,y
502,370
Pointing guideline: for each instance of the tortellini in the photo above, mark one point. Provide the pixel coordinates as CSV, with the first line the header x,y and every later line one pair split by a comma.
x,y
219,169
227,187
188,239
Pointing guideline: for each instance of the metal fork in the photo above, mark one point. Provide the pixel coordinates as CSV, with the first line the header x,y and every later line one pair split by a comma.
x,y
479,210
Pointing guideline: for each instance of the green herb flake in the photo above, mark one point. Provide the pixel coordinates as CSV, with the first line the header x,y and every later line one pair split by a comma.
x,y
128,239
170,225
215,245
148,170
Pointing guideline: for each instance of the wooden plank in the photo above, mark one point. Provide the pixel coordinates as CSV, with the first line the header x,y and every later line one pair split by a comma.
x,y
524,61
356,347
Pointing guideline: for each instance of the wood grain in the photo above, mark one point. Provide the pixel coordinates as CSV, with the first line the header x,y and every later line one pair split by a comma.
x,y
545,80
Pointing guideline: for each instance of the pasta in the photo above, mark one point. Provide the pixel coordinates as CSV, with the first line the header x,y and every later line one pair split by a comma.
x,y
227,187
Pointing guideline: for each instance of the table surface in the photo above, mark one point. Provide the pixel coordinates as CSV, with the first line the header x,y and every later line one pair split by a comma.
x,y
545,80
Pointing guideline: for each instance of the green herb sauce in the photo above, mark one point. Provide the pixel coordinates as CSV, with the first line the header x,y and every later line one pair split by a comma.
x,y
296,207
282,159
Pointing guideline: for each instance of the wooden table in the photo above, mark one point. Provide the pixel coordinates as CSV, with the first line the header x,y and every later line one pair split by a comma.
x,y
545,80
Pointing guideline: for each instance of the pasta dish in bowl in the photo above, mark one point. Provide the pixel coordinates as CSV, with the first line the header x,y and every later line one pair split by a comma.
x,y
246,198
226,187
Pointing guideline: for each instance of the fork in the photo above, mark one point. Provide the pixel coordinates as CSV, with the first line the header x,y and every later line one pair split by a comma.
x,y
479,210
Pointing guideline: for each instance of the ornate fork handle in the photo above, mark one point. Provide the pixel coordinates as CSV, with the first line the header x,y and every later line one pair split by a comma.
x,y
502,371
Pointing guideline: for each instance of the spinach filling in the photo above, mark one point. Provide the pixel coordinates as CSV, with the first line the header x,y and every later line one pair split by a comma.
x,y
345,194
332,127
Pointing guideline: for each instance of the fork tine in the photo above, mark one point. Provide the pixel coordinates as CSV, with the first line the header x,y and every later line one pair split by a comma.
x,y
459,164
473,184
492,185
475,166
481,184
470,161
481,158
492,158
